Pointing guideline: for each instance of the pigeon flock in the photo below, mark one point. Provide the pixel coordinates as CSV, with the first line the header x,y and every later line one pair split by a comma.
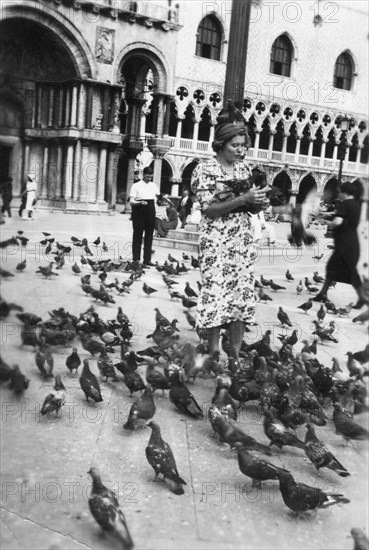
x,y
297,396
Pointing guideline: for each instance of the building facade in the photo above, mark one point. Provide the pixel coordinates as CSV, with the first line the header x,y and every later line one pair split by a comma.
x,y
94,91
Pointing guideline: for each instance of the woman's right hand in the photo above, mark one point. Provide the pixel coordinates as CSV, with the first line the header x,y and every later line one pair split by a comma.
x,y
253,196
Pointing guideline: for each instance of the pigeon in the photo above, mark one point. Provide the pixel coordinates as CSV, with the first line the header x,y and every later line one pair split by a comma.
x,y
56,399
188,303
300,497
263,296
185,256
190,292
5,371
259,470
132,379
306,305
344,311
40,360
21,266
156,379
231,434
47,271
90,344
362,318
90,384
224,401
6,274
191,320
106,367
29,319
361,542
76,269
195,263
345,426
18,381
276,287
355,368
289,276
299,288
174,294
183,399
142,410
278,434
321,313
104,506
318,278
148,289
97,241
160,457
283,318
73,361
299,220
319,455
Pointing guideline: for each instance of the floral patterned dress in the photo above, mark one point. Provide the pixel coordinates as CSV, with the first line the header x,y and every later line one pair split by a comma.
x,y
227,252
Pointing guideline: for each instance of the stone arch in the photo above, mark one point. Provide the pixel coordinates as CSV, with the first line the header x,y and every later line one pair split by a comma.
x,y
282,181
187,170
81,55
307,183
153,58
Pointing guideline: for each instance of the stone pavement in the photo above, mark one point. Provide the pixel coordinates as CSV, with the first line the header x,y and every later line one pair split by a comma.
x,y
44,461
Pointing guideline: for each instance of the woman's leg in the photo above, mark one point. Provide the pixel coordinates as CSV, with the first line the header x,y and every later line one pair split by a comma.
x,y
236,334
213,335
322,294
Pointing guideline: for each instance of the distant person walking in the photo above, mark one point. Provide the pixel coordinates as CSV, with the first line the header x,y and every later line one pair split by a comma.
x,y
344,221
7,196
142,198
31,188
184,207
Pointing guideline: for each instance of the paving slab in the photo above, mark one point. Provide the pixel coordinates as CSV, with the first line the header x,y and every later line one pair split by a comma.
x,y
45,485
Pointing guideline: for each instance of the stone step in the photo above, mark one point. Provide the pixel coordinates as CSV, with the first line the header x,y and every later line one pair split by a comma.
x,y
167,242
183,235
192,226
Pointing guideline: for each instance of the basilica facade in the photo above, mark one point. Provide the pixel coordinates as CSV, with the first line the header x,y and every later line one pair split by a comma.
x,y
94,91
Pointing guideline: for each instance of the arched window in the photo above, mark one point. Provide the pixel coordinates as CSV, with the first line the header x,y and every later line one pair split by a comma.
x,y
281,56
343,70
209,36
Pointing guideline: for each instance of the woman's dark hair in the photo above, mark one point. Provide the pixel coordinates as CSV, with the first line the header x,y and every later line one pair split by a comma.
x,y
353,188
217,145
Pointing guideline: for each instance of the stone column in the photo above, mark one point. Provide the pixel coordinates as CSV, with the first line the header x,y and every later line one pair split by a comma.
x,y
211,138
111,177
284,147
310,151
101,174
58,170
335,152
50,121
81,113
77,170
83,182
73,115
256,144
195,135
178,132
297,149
68,171
357,160
44,192
61,107
271,143
160,119
322,153
67,106
27,150
167,102
39,107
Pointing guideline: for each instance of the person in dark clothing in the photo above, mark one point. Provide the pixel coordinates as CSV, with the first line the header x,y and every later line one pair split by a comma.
x,y
7,195
341,266
142,198
163,226
184,207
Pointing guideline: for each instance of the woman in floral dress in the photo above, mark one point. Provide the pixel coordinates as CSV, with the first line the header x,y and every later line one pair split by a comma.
x,y
227,252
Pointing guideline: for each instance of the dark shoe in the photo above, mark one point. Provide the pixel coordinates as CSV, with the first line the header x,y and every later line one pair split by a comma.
x,y
149,264
320,298
359,304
